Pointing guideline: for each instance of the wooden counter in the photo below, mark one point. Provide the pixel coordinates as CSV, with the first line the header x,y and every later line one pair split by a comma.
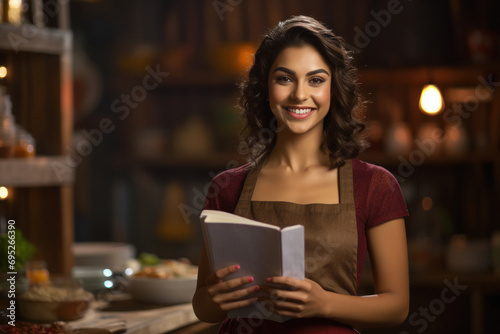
x,y
140,318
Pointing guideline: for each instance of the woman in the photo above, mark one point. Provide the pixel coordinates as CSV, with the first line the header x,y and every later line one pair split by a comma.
x,y
300,102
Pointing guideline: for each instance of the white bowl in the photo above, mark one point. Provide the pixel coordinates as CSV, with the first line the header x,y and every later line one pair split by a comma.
x,y
171,291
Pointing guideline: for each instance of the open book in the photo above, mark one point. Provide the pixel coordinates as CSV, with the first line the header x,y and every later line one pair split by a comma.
x,y
262,250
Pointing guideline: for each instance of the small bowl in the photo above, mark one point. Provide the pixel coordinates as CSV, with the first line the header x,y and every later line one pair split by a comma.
x,y
170,291
56,300
53,311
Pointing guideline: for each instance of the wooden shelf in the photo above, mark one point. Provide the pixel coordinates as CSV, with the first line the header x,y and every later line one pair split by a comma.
x,y
455,76
39,83
29,38
34,172
469,158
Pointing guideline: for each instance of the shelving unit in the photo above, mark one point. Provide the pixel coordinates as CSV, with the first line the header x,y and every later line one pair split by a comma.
x,y
36,171
39,82
469,176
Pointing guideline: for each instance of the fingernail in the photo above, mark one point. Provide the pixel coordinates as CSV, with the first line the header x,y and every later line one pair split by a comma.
x,y
250,279
237,267
256,288
268,279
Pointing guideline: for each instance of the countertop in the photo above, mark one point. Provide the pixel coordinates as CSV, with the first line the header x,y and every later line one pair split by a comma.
x,y
140,318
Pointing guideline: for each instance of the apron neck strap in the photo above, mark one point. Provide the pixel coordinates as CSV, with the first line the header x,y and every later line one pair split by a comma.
x,y
346,195
345,183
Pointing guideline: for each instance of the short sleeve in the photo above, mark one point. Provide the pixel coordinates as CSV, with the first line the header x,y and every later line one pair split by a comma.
x,y
384,201
225,188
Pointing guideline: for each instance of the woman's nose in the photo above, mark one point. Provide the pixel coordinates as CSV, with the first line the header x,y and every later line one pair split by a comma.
x,y
300,92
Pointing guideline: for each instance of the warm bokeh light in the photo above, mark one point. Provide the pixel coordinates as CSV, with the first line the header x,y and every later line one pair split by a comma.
x,y
15,11
3,72
3,193
427,203
431,100
245,56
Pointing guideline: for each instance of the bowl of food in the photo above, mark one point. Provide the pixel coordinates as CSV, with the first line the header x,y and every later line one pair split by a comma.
x,y
56,300
169,282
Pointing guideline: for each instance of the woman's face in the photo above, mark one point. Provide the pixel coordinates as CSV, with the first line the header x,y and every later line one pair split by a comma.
x,y
299,89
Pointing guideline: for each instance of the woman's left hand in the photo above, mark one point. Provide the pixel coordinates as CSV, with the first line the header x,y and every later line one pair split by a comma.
x,y
295,298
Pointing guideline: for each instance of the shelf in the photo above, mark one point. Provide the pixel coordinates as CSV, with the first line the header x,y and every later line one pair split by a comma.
x,y
37,171
455,76
469,158
29,38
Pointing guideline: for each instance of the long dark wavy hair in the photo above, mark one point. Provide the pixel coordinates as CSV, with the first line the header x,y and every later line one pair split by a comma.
x,y
343,132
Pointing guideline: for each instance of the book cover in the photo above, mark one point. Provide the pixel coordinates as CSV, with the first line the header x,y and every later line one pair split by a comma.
x,y
262,250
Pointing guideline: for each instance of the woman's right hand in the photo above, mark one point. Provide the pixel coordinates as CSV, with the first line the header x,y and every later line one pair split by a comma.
x,y
230,294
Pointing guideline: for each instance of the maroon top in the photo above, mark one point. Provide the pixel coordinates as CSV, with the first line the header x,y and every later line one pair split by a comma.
x,y
377,198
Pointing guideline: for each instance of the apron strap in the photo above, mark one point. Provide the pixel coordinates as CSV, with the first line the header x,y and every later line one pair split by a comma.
x,y
346,193
243,208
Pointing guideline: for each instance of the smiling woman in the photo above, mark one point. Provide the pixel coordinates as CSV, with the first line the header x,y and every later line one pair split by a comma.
x,y
299,90
302,88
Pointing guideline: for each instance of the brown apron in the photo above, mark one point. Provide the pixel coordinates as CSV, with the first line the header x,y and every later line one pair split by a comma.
x,y
331,244
331,239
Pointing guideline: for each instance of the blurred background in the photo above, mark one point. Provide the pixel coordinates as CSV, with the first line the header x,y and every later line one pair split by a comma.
x,y
152,117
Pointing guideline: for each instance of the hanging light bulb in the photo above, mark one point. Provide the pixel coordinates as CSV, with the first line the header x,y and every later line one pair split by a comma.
x,y
431,100
4,193
3,72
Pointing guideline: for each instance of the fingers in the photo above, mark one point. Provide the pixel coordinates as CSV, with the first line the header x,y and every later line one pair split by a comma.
x,y
221,273
232,300
291,283
277,295
225,286
286,292
230,294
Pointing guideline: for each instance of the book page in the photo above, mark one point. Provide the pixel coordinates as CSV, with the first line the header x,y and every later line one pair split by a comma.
x,y
214,216
256,250
292,243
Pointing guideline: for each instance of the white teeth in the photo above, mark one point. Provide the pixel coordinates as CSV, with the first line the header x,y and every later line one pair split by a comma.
x,y
299,111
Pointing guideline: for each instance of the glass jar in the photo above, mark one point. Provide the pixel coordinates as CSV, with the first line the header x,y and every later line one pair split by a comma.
x,y
24,146
7,136
7,126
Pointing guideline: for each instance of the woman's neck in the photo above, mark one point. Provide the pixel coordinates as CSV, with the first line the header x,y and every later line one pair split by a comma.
x,y
298,152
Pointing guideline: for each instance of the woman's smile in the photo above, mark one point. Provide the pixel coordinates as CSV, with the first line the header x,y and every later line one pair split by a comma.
x,y
299,112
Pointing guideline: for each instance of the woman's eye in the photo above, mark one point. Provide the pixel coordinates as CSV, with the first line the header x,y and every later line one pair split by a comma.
x,y
317,81
283,79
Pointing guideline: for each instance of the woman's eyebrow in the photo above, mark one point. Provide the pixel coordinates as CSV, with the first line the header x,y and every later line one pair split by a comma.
x,y
317,71
284,69
289,71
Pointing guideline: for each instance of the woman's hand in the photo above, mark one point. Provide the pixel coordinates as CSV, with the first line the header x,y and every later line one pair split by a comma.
x,y
297,298
230,294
